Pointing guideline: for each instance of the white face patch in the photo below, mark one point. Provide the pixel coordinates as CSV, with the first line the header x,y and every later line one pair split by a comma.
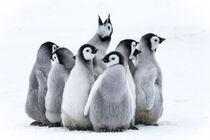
x,y
155,42
87,53
133,47
54,48
105,30
55,58
113,60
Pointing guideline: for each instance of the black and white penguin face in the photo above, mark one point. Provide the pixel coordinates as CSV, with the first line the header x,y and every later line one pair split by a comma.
x,y
155,42
113,58
55,58
64,57
54,48
105,29
89,52
134,52
152,41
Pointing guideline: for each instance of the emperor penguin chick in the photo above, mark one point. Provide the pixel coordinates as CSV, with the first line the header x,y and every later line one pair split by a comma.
x,y
35,102
101,41
128,49
77,90
148,79
110,102
58,75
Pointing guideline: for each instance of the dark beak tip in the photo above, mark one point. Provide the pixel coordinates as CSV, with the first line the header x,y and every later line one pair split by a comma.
x,y
163,39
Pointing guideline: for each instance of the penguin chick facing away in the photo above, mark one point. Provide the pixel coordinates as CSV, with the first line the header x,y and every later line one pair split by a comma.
x,y
58,75
35,102
109,105
101,41
77,90
148,79
128,49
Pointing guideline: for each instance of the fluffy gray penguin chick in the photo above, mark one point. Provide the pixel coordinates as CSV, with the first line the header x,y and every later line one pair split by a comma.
x,y
58,75
128,49
101,41
109,104
77,90
35,102
148,79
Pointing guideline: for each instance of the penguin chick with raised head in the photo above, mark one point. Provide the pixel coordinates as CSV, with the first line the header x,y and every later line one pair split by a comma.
x,y
109,104
128,49
101,41
35,102
58,75
77,90
148,79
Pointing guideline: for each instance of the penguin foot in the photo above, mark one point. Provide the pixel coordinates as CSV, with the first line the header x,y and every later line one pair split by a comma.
x,y
156,124
37,123
55,125
102,130
133,128
120,130
71,128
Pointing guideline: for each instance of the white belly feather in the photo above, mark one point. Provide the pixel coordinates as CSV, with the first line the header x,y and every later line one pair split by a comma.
x,y
76,94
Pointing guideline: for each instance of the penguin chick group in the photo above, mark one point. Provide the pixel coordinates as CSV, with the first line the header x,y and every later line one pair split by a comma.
x,y
96,90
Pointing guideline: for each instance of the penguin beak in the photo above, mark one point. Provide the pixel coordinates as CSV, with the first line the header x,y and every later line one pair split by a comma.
x,y
74,57
51,58
162,39
105,60
94,51
136,52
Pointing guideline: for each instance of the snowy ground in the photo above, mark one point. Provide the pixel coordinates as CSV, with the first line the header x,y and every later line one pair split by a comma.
x,y
184,59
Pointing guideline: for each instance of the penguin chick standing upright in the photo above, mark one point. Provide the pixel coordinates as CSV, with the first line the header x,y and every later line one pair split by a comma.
x,y
58,75
148,79
35,102
101,41
128,49
110,102
77,90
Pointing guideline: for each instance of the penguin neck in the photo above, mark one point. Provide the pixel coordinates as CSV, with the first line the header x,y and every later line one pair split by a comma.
x,y
88,65
44,56
62,67
128,63
97,40
147,56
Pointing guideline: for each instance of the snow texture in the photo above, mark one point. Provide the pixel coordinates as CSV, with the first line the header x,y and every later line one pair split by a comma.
x,y
184,59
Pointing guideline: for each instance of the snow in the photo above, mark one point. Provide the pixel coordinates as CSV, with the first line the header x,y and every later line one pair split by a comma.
x,y
25,24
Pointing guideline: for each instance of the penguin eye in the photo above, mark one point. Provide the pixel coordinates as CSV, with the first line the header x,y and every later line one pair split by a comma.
x,y
108,27
156,40
87,50
54,57
113,58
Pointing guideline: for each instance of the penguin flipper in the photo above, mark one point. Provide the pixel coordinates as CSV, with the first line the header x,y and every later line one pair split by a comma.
x,y
149,89
92,94
42,81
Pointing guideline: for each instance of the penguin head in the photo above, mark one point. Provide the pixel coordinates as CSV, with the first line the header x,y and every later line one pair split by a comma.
x,y
49,46
87,52
105,29
114,58
54,48
45,51
128,48
152,41
64,56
